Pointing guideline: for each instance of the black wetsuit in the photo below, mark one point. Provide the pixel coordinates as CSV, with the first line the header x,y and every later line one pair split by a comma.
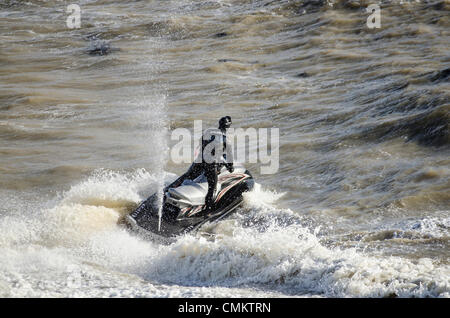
x,y
210,170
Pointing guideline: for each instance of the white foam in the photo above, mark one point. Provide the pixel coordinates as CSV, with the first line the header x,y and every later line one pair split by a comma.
x,y
76,249
105,185
293,260
261,197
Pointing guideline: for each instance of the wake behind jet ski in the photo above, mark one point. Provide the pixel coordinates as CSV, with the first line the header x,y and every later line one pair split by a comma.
x,y
209,190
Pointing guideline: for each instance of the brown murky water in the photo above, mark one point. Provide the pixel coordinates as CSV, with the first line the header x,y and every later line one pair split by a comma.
x,y
359,206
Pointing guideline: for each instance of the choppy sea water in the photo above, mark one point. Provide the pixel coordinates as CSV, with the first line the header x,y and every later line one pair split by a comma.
x,y
358,208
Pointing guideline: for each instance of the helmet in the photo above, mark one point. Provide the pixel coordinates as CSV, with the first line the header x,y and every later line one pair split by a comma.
x,y
225,122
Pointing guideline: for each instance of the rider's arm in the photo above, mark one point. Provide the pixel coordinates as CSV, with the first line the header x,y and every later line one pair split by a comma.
x,y
229,156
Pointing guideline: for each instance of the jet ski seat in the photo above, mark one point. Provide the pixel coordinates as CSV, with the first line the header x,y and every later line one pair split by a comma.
x,y
190,191
193,191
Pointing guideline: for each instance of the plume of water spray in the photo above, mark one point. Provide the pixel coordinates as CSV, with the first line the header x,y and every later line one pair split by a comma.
x,y
160,149
152,123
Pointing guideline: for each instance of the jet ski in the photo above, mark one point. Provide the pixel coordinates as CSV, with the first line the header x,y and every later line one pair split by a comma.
x,y
181,209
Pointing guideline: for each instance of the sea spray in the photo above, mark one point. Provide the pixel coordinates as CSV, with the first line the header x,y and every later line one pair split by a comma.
x,y
160,197
159,148
151,117
82,248
289,257
158,168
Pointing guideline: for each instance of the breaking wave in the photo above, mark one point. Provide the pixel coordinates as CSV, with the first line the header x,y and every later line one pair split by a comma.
x,y
262,247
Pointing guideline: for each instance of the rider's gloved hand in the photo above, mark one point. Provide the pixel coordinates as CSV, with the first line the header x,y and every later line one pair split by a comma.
x,y
230,167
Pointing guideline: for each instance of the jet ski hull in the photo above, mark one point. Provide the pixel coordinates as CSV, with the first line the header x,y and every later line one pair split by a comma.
x,y
175,220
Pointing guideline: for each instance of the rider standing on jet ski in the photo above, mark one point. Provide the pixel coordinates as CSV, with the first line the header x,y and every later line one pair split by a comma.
x,y
210,162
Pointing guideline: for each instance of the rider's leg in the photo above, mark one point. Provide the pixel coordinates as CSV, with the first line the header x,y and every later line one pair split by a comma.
x,y
194,171
211,176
